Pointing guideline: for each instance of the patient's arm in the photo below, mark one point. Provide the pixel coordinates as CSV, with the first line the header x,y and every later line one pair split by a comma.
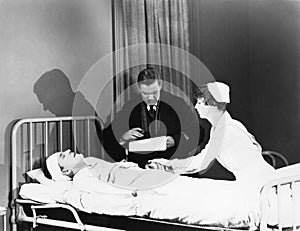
x,y
89,181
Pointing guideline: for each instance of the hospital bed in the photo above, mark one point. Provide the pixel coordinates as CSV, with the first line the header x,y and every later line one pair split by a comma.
x,y
34,139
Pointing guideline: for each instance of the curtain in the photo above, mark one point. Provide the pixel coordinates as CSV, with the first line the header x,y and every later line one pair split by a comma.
x,y
150,33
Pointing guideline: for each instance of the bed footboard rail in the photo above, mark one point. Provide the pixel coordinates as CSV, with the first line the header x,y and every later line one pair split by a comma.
x,y
44,220
276,185
73,211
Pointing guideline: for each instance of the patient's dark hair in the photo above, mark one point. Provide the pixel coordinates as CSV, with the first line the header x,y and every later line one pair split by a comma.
x,y
148,76
60,167
203,93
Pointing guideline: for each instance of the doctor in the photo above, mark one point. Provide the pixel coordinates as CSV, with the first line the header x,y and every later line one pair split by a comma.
x,y
230,143
154,113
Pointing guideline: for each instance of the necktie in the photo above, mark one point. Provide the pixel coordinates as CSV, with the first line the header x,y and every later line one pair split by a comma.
x,y
152,111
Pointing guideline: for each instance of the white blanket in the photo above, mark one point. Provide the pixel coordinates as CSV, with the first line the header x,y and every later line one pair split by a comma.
x,y
184,199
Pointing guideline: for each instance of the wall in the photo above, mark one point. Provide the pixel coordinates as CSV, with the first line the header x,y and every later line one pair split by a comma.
x,y
36,37
274,33
219,38
253,45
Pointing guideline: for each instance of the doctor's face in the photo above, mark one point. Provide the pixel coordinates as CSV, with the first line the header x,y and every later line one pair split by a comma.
x,y
150,93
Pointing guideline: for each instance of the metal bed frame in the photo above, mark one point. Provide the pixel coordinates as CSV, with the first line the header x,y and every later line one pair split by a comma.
x,y
28,128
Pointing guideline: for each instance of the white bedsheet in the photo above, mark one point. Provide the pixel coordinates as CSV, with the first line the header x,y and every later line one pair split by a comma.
x,y
187,200
206,202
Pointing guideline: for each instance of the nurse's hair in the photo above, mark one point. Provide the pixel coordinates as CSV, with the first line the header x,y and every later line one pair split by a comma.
x,y
208,99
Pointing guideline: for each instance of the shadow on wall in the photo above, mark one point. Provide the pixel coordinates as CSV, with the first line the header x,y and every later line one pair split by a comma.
x,y
53,90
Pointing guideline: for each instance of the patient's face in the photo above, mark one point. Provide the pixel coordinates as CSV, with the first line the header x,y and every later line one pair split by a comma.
x,y
69,160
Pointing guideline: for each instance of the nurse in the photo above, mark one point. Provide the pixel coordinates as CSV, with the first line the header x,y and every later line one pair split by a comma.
x,y
230,143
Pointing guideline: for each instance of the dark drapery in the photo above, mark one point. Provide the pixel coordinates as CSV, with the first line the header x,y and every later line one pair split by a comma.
x,y
150,33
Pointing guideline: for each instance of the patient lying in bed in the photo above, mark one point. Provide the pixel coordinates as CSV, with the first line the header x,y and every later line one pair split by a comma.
x,y
95,175
104,176
125,189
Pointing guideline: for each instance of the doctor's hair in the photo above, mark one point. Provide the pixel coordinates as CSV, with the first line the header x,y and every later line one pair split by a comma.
x,y
203,93
148,76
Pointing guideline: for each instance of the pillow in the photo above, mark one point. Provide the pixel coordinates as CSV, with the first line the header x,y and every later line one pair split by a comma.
x,y
50,193
54,169
39,176
36,192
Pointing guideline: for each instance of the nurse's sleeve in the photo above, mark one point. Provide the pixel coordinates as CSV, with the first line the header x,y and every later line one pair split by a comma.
x,y
196,163
211,151
189,165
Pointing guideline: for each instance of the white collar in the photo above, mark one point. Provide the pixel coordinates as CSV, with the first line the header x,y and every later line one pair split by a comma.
x,y
154,107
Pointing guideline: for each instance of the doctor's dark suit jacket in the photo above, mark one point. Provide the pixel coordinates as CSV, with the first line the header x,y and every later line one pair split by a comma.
x,y
177,119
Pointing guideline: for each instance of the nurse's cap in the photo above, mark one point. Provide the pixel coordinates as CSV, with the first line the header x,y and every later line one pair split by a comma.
x,y
220,91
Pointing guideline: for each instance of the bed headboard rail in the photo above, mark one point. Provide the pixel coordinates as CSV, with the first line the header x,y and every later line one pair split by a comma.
x,y
34,139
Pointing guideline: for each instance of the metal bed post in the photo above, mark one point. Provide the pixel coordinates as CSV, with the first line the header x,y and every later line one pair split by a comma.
x,y
293,202
60,136
30,145
74,135
14,185
88,138
46,140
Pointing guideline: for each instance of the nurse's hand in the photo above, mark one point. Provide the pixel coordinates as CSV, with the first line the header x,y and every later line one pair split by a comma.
x,y
128,164
160,164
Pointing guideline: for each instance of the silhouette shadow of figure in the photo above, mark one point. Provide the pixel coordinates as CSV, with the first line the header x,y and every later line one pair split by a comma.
x,y
54,92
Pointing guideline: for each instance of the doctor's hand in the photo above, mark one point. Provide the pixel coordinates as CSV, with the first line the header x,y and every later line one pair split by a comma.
x,y
170,142
132,134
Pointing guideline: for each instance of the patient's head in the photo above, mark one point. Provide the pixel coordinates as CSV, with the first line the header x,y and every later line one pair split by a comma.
x,y
65,164
70,162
